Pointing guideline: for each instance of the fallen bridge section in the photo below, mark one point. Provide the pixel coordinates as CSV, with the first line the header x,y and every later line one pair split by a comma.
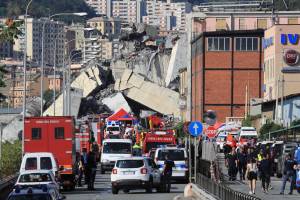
x,y
158,98
81,87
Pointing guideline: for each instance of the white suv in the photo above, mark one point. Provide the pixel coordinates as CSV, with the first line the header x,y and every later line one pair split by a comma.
x,y
135,173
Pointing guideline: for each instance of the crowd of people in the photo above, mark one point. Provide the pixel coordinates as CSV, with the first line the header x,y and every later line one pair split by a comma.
x,y
254,163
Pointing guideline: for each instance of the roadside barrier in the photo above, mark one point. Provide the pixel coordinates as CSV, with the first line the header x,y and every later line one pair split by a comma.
x,y
221,191
6,186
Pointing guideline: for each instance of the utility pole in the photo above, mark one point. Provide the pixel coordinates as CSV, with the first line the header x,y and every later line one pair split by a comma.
x,y
282,96
54,66
1,133
277,99
246,102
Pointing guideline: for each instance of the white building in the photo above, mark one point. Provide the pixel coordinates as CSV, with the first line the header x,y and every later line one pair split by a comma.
x,y
130,11
168,15
54,33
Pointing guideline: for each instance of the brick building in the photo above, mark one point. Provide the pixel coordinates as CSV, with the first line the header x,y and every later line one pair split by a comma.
x,y
224,63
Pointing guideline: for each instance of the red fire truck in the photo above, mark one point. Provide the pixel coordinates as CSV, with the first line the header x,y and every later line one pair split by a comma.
x,y
54,135
154,139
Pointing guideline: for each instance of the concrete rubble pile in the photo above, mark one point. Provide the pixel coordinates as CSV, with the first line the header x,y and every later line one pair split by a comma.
x,y
157,58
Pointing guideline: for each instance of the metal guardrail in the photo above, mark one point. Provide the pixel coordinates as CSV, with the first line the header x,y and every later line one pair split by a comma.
x,y
6,186
221,191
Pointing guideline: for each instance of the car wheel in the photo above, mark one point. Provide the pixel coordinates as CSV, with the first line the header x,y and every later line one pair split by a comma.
x,y
114,190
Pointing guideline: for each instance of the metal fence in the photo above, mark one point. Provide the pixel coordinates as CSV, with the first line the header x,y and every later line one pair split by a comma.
x,y
287,134
221,191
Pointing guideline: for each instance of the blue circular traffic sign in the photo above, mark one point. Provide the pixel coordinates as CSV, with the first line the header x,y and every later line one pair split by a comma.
x,y
195,128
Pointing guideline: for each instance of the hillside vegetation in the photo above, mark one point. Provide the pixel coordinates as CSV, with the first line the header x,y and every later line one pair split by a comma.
x,y
43,8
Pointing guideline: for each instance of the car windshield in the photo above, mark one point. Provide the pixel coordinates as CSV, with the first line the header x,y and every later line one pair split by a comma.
x,y
35,177
31,197
113,128
248,137
117,147
174,154
130,163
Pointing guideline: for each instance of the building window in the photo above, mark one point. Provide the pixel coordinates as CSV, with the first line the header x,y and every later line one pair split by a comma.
x,y
36,133
262,23
218,44
246,44
59,133
221,24
292,20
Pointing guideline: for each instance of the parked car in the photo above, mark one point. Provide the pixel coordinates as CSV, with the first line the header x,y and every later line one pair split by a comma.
x,y
37,192
135,173
37,177
179,156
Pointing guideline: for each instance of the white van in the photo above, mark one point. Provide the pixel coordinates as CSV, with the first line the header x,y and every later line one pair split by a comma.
x,y
247,134
39,161
112,150
179,156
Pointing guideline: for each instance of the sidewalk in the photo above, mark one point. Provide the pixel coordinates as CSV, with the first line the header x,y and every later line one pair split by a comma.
x,y
243,186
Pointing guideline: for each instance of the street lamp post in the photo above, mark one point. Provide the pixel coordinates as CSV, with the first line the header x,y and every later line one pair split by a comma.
x,y
81,14
24,73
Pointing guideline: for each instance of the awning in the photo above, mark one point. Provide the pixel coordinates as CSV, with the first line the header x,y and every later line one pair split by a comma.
x,y
121,115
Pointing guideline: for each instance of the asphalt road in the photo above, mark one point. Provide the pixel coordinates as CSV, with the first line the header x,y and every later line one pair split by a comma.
x,y
103,192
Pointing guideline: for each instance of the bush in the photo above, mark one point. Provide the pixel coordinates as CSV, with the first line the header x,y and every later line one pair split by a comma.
x,y
269,127
11,158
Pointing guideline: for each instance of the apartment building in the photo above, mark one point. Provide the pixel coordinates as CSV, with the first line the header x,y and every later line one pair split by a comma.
x,y
130,11
55,82
54,36
77,36
107,26
6,50
101,7
168,15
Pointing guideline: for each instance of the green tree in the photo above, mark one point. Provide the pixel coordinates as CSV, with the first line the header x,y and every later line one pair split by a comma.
x,y
247,121
269,127
10,31
11,158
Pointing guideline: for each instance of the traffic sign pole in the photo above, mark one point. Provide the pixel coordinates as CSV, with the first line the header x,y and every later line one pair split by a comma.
x,y
190,160
195,160
195,130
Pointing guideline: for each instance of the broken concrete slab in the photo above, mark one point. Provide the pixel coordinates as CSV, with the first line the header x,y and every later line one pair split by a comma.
x,y
76,96
158,98
115,102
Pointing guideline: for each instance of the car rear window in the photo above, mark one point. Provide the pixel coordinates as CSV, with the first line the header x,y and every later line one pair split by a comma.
x,y
35,177
130,163
31,197
31,164
46,163
174,154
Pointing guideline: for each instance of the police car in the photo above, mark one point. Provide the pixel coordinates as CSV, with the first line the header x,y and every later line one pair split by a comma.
x,y
37,177
45,192
179,156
